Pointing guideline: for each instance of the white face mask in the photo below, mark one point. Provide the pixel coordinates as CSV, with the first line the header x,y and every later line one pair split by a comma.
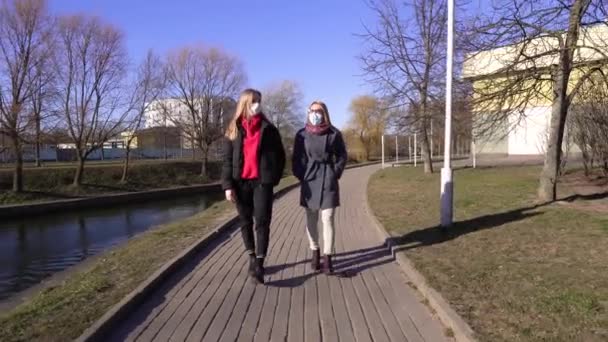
x,y
255,109
315,118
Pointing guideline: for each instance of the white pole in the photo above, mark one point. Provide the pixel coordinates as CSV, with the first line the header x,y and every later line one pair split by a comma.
x,y
432,143
409,146
383,151
415,149
396,149
447,185
474,154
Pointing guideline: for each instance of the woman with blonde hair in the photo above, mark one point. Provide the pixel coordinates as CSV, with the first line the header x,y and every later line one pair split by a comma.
x,y
319,158
254,160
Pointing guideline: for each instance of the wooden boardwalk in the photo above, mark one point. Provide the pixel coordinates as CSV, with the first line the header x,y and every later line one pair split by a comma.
x,y
212,299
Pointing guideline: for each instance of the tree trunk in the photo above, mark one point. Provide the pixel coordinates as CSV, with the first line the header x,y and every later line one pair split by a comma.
x,y
547,191
38,163
125,167
79,170
426,151
165,144
18,172
204,160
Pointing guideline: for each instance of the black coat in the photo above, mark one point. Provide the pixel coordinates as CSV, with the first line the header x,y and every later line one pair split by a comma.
x,y
271,154
318,162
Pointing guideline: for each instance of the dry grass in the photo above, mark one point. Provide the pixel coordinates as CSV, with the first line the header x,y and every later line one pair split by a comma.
x,y
514,271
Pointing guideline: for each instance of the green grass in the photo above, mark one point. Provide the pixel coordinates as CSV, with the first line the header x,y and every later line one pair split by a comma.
x,y
62,313
514,271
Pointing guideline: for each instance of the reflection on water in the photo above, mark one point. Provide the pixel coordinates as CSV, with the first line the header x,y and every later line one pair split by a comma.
x,y
34,248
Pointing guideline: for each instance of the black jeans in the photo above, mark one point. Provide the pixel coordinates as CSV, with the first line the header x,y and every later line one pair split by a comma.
x,y
255,200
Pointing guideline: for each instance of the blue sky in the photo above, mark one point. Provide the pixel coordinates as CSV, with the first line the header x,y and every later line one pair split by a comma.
x,y
310,42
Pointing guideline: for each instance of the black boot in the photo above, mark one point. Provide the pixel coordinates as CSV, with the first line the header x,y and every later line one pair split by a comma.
x,y
259,270
328,268
252,265
316,258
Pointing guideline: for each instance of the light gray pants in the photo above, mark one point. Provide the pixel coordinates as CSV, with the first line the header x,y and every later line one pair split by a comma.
x,y
327,220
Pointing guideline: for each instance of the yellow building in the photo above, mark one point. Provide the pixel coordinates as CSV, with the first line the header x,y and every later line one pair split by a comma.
x,y
497,70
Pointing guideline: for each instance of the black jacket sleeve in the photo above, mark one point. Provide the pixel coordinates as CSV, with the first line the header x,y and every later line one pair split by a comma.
x,y
227,180
341,154
280,153
299,159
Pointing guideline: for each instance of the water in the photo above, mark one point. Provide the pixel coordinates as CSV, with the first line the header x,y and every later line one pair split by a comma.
x,y
32,249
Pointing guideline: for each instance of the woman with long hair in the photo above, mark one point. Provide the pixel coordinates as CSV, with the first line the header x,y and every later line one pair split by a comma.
x,y
254,160
319,158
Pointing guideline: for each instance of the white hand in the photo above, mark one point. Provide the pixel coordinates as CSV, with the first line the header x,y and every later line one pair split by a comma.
x,y
230,196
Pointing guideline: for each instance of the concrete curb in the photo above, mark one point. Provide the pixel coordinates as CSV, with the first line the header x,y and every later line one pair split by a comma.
x,y
461,330
13,211
103,325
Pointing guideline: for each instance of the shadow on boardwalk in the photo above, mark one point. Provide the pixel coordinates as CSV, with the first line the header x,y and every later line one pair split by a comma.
x,y
351,263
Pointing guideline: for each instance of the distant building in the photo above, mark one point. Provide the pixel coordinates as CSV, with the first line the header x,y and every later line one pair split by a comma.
x,y
163,120
173,112
528,136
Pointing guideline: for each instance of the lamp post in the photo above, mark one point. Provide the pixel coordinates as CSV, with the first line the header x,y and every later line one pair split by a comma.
x,y
447,184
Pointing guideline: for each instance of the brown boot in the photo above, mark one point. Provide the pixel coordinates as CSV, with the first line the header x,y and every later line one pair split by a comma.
x,y
316,258
328,268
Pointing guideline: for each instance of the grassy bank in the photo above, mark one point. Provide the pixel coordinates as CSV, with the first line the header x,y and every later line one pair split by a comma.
x,y
513,270
62,313
55,183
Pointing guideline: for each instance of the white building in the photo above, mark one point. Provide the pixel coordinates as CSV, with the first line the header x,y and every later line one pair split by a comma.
x,y
173,112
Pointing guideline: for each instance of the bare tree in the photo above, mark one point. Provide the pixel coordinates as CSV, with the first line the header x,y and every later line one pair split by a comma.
x,y
548,49
283,106
24,36
147,87
43,91
588,123
203,81
405,58
91,65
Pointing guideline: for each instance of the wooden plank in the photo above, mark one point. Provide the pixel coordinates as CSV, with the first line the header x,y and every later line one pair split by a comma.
x,y
179,324
250,324
346,242
233,326
429,327
295,330
231,330
329,331
169,294
268,310
283,309
190,289
312,324
226,294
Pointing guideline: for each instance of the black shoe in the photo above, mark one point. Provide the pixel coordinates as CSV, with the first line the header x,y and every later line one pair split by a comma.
x,y
328,268
316,258
259,270
251,270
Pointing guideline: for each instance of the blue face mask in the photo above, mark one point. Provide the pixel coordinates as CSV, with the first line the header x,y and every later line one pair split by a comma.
x,y
315,118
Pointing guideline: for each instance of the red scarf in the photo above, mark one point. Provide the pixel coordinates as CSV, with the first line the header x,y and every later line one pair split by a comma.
x,y
251,142
317,129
